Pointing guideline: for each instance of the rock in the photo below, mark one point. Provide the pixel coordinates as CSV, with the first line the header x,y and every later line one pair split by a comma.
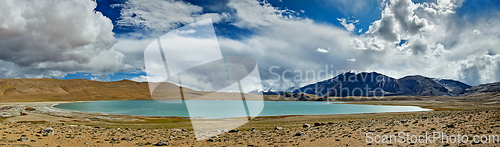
x,y
176,130
127,139
306,126
450,126
330,123
184,130
278,128
63,124
299,134
23,139
253,129
323,124
162,143
317,124
234,131
424,117
48,131
210,140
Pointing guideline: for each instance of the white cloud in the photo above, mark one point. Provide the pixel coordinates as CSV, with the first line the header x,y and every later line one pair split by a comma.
x,y
348,24
352,60
157,17
54,37
322,50
252,13
143,78
357,44
437,45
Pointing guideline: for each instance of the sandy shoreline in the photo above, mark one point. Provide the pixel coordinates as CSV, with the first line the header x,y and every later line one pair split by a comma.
x,y
73,128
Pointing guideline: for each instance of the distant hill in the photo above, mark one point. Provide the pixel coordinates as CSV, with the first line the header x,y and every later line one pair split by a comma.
x,y
455,87
376,84
19,90
483,88
70,90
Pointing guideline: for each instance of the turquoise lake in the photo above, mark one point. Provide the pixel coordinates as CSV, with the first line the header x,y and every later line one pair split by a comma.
x,y
227,109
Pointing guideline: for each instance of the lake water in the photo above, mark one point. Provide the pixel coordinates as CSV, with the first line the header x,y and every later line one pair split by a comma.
x,y
227,109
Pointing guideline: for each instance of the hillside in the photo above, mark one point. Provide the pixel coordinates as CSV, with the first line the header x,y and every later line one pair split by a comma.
x,y
70,90
372,84
31,90
483,88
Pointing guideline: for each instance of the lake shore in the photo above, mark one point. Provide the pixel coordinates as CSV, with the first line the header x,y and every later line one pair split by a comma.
x,y
96,129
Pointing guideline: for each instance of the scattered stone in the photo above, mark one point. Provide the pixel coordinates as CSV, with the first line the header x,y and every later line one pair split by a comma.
x,y
424,117
184,130
278,128
317,124
162,143
330,123
176,130
450,126
23,139
127,139
234,131
299,134
253,129
48,131
306,126
210,140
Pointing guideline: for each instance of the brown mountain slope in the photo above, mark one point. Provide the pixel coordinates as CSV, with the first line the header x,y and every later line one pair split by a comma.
x,y
70,90
37,90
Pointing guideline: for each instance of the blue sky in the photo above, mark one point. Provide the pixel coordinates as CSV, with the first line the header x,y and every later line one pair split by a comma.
x,y
105,39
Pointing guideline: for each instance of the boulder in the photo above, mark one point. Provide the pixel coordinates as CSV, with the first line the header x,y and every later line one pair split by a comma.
x,y
48,131
127,138
299,134
23,139
162,143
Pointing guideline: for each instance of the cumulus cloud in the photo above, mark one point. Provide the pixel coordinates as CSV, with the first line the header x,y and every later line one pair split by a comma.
x,y
438,44
52,38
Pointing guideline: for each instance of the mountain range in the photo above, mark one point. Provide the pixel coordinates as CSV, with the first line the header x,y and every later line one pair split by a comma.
x,y
376,84
346,84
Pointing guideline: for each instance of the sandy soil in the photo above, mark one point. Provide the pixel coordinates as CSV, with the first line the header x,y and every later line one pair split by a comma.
x,y
93,129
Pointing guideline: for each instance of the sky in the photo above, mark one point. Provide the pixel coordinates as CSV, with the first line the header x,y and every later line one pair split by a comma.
x,y
105,40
